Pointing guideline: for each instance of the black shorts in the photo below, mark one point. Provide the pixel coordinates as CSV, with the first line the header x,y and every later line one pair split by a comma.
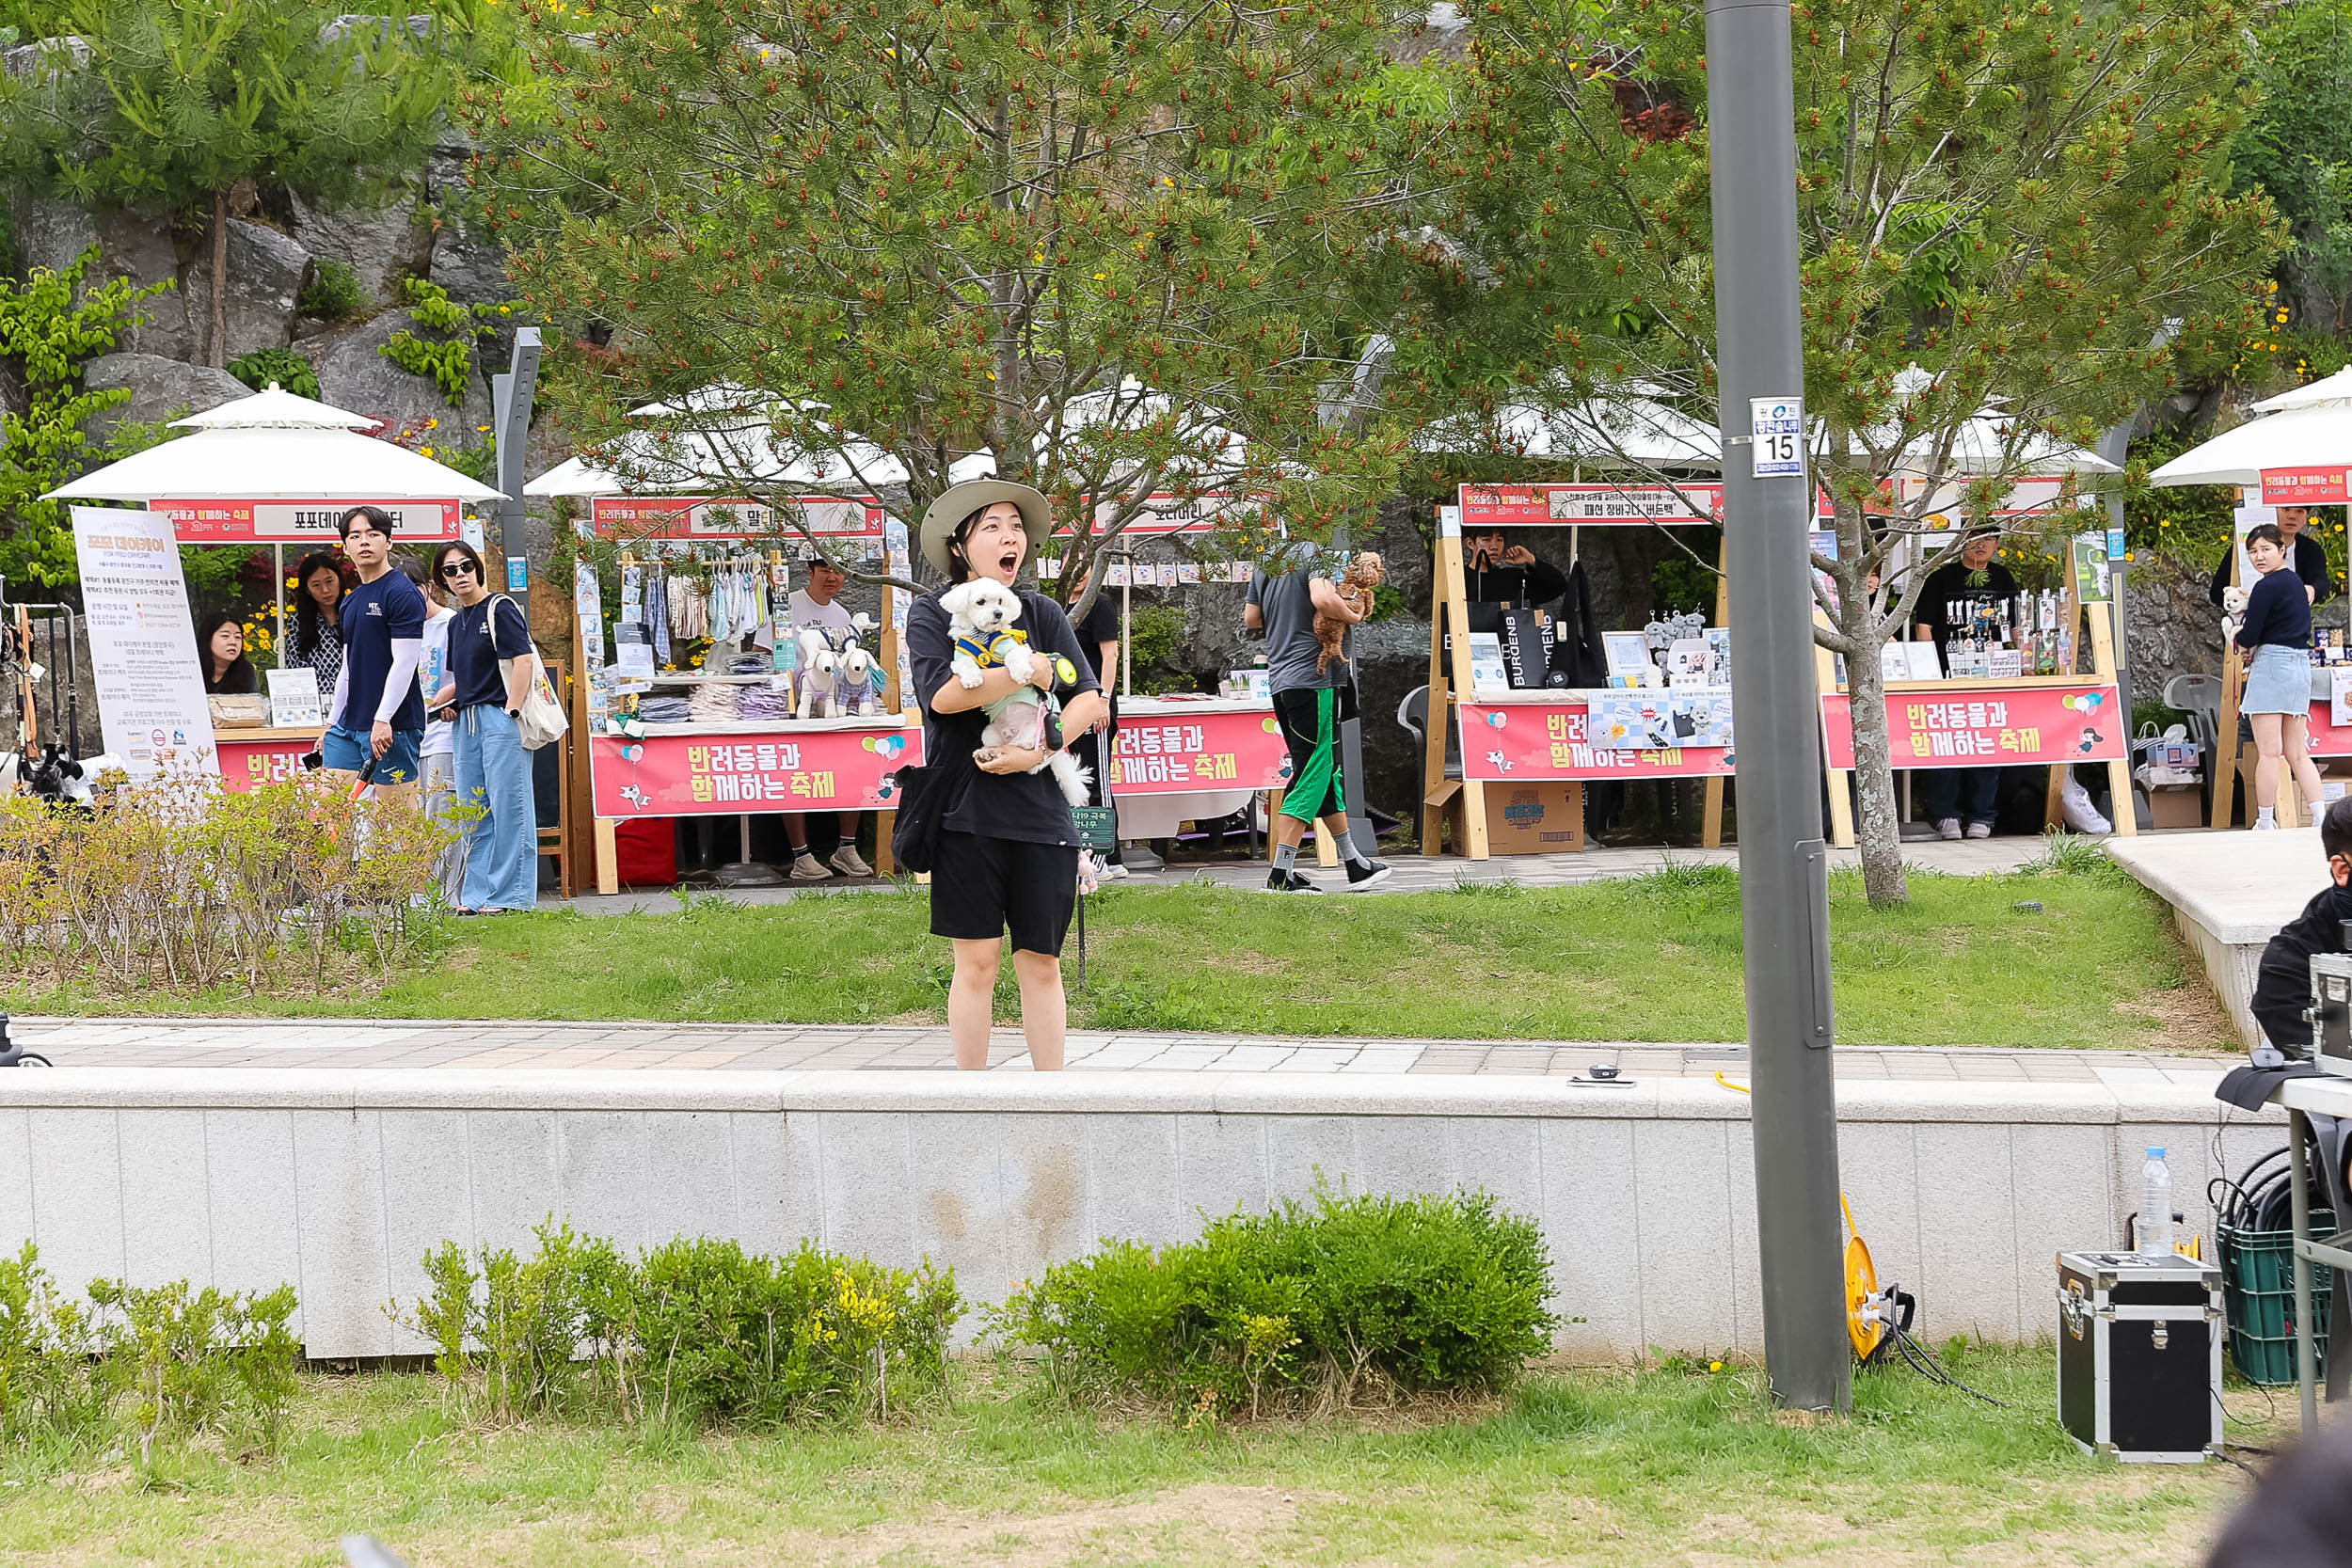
x,y
1314,771
980,886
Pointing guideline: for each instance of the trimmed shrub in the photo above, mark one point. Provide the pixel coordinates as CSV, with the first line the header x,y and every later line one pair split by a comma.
x,y
694,1329
185,885
1315,1305
173,1360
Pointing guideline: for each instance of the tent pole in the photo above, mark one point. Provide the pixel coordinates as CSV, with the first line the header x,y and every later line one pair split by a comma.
x,y
277,593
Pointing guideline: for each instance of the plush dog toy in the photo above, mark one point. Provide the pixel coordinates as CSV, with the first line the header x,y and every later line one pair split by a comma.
x,y
854,692
981,617
1365,573
818,665
2234,602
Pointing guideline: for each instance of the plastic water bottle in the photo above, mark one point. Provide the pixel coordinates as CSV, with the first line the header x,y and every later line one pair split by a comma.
x,y
2155,1207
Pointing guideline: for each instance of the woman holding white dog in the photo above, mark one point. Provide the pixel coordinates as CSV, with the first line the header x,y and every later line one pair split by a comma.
x,y
1007,855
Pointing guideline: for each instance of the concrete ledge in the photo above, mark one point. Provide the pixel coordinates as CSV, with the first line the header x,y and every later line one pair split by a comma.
x,y
2230,892
340,1182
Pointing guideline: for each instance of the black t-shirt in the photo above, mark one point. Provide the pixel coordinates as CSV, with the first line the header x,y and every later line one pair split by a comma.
x,y
1025,807
474,653
236,681
1949,584
1100,626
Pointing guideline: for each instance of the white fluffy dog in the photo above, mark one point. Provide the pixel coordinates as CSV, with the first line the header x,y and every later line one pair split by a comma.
x,y
818,665
981,617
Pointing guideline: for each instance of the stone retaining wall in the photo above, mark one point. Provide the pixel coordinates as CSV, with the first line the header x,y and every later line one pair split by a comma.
x,y
340,1180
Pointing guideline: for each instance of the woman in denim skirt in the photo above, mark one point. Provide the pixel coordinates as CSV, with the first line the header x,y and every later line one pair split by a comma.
x,y
2276,639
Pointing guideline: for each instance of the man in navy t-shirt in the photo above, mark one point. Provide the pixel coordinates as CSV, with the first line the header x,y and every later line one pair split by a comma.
x,y
377,710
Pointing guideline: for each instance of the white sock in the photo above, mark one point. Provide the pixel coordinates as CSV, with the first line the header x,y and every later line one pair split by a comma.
x,y
2263,815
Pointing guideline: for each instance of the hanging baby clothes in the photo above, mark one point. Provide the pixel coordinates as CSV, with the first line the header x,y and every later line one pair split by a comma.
x,y
722,603
658,611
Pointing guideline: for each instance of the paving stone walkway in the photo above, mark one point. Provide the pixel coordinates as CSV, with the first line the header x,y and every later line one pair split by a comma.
x,y
387,1043
1414,873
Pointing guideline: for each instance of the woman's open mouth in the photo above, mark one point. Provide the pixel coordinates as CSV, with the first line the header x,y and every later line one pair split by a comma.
x,y
1009,561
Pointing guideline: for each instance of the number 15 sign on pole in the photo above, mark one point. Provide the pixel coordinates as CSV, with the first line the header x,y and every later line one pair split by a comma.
x,y
1778,424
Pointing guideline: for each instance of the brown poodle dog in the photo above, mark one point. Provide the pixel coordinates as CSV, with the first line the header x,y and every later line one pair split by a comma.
x,y
1365,573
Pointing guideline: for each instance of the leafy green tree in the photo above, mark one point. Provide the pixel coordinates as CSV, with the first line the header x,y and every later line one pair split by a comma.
x,y
50,325
1118,245
2297,149
197,106
2003,205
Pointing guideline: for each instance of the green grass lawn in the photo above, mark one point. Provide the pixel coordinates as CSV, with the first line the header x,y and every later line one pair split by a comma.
x,y
1650,957
1599,1468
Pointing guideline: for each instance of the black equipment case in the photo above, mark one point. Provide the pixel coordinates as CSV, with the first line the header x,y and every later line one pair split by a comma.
x,y
2139,1355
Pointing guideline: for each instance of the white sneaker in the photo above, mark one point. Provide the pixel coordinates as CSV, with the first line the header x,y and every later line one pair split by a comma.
x,y
847,861
805,869
1979,829
1948,828
2263,826
2081,815
1114,872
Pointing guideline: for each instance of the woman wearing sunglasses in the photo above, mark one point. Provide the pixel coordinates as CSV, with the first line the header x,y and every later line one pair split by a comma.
x,y
491,674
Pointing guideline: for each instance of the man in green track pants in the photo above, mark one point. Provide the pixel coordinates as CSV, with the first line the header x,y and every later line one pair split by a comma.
x,y
1310,704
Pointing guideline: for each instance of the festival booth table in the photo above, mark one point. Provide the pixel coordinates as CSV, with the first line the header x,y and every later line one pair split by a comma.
x,y
717,767
2295,454
272,469
1539,746
1184,759
1181,757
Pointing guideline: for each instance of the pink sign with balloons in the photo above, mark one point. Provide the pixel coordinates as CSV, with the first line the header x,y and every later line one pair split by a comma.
x,y
780,770
1989,725
1520,741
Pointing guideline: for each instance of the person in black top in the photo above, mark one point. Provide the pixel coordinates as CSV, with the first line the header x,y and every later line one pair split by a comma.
x,y
2304,553
1098,635
2282,983
221,654
1950,795
2276,639
1506,574
1008,853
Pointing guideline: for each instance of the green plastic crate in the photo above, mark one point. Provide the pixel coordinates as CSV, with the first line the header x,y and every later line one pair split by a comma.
x,y
2258,1295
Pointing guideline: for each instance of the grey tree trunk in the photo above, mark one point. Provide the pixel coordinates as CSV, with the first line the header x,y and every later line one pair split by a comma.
x,y
1878,828
216,348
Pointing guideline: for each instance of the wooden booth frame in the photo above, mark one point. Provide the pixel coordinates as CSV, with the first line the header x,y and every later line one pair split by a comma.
x,y
1451,686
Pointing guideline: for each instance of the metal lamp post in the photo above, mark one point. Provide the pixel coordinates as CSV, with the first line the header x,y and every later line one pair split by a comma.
x,y
1784,889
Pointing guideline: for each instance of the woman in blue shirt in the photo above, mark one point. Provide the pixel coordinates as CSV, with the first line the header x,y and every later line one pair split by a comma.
x,y
2276,639
489,665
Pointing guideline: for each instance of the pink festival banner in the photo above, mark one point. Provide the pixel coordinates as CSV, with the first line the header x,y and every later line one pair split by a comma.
x,y
1178,753
677,775
246,762
1985,724
1521,741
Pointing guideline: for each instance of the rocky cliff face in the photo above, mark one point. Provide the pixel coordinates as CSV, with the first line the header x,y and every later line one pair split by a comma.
x,y
272,260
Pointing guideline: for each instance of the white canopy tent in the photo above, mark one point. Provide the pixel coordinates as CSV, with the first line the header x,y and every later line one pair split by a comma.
x,y
730,444
276,446
2311,426
1630,430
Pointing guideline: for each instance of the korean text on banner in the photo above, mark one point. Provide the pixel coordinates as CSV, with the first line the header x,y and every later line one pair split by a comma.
x,y
151,689
2318,485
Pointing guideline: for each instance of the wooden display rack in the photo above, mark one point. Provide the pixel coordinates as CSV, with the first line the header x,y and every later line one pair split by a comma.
x,y
1449,682
580,791
2099,617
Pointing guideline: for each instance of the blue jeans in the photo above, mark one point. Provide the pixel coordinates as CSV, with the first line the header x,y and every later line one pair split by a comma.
x,y
501,845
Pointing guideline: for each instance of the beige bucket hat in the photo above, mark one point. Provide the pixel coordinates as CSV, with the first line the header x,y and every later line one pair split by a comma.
x,y
958,501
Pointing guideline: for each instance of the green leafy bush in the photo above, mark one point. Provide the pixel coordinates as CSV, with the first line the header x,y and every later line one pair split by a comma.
x,y
173,1360
447,359
695,1329
334,292
1322,1306
291,371
51,325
